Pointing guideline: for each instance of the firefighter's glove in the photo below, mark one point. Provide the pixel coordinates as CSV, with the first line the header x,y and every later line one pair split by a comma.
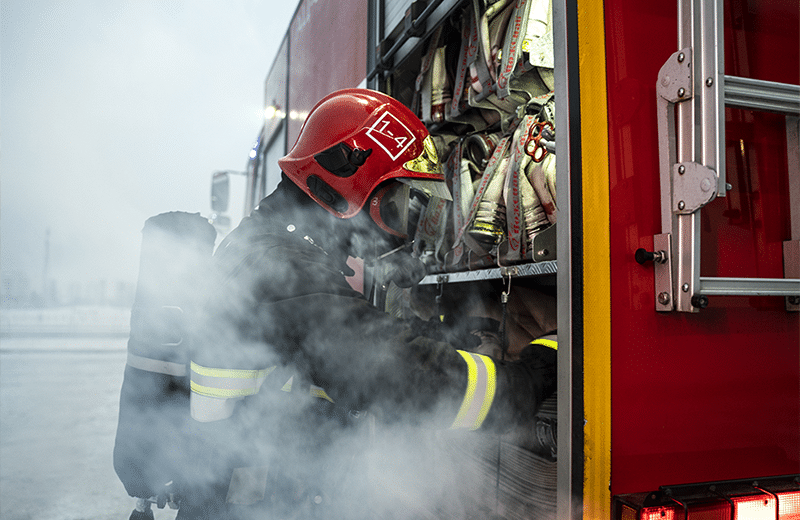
x,y
522,387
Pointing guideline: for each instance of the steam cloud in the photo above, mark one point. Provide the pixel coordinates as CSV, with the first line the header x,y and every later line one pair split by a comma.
x,y
369,455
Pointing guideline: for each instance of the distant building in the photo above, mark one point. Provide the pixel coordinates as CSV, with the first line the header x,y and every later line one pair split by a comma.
x,y
16,291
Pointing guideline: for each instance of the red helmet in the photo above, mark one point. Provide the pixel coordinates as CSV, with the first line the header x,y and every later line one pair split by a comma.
x,y
352,141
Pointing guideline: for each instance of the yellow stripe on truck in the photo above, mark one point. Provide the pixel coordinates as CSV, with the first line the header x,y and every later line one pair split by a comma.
x,y
596,264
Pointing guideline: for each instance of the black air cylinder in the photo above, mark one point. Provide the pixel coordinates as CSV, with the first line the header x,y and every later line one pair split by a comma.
x,y
149,452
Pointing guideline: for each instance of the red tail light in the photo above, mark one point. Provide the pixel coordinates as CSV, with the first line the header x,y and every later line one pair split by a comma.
x,y
758,507
789,505
772,498
659,513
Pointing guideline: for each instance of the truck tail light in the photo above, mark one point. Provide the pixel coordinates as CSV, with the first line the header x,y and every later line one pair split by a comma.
x,y
789,505
758,507
771,498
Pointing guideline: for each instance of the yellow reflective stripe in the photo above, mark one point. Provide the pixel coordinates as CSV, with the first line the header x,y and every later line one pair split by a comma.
x,y
546,343
481,385
234,373
287,387
469,397
316,391
222,393
215,391
226,383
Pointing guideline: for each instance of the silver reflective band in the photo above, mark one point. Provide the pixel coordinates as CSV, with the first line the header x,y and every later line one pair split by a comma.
x,y
226,382
216,390
481,384
156,365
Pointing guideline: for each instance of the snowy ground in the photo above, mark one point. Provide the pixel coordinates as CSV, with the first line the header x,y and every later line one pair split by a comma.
x,y
58,417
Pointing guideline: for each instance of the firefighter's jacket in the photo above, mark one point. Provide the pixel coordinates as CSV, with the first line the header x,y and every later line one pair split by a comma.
x,y
285,335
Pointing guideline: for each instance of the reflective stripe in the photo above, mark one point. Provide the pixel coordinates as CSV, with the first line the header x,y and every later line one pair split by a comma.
x,y
215,391
319,392
223,393
156,365
314,391
229,372
546,341
480,391
226,382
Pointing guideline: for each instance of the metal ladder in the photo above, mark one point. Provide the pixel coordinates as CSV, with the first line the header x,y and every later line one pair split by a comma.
x,y
692,162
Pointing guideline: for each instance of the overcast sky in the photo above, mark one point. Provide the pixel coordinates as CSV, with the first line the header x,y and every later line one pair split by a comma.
x,y
112,111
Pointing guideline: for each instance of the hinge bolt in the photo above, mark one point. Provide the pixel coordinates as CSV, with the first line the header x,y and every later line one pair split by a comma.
x,y
681,92
685,287
709,82
681,57
681,205
681,169
663,298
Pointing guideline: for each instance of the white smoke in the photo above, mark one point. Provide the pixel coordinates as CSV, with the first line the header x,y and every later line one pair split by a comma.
x,y
369,455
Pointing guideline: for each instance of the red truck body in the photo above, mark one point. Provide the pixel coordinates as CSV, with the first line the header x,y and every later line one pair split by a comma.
x,y
713,395
648,398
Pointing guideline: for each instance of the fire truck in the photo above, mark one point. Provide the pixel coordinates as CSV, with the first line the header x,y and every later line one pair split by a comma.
x,y
666,235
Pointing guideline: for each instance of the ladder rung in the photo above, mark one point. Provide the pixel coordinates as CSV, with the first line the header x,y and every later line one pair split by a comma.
x,y
749,286
766,96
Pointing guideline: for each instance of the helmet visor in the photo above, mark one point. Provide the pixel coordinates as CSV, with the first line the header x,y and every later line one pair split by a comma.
x,y
429,188
388,207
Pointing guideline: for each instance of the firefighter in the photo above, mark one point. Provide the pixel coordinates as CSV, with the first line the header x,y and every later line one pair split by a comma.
x,y
284,332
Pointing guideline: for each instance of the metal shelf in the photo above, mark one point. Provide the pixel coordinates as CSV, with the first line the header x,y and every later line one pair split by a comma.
x,y
493,273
